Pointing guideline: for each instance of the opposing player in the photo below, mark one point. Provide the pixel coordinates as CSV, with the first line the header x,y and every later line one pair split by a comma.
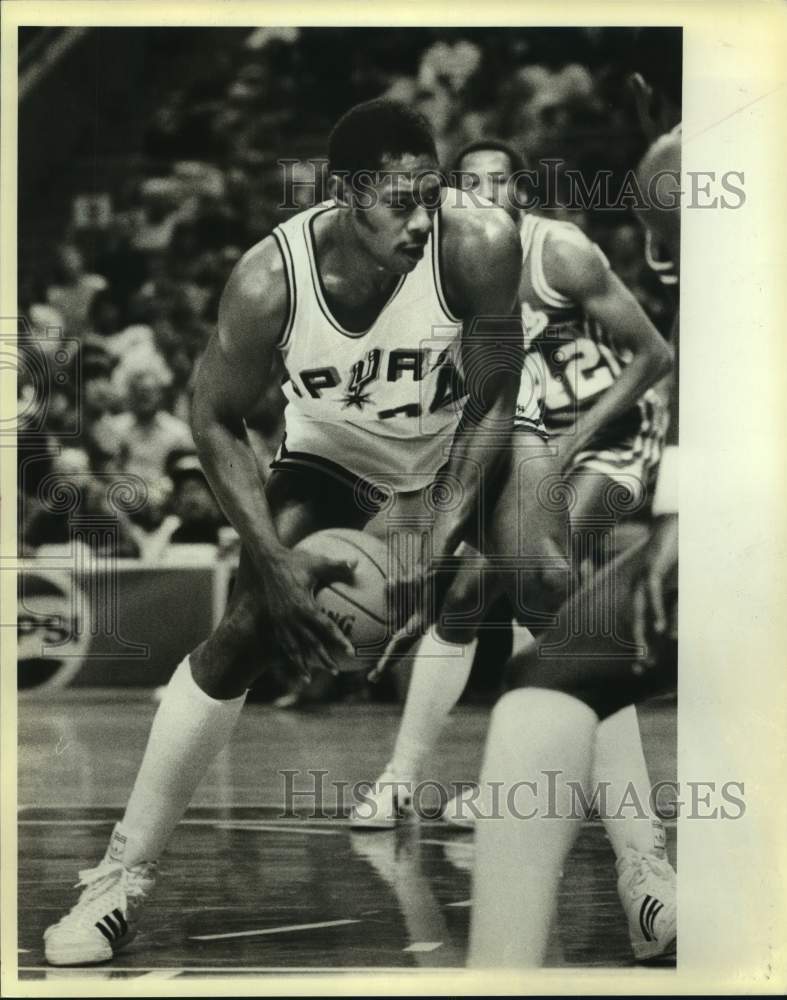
x,y
510,920
592,357
394,324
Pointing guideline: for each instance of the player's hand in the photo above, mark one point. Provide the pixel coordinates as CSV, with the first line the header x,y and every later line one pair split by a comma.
x,y
302,634
643,102
415,597
659,569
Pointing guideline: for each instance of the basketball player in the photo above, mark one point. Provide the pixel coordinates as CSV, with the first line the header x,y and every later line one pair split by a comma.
x,y
370,307
511,920
592,356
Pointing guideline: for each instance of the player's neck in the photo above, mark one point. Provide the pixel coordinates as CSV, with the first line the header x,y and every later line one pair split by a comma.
x,y
340,250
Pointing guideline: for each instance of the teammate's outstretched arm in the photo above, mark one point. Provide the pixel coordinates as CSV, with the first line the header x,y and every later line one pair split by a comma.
x,y
578,270
240,364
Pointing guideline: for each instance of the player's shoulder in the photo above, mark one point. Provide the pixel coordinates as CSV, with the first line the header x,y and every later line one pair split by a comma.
x,y
255,302
258,274
474,228
256,298
564,239
567,249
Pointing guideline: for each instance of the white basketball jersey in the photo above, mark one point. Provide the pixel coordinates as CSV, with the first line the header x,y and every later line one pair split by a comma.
x,y
380,402
571,360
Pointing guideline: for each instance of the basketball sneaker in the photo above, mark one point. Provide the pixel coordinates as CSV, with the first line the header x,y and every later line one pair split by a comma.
x,y
647,890
462,810
103,919
388,802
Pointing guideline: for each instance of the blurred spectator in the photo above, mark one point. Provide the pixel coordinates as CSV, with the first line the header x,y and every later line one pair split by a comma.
x,y
194,505
261,37
103,318
99,434
539,107
73,289
48,523
194,517
43,319
161,210
148,433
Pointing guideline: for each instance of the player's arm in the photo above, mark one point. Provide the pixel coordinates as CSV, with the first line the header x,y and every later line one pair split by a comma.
x,y
240,363
481,258
580,272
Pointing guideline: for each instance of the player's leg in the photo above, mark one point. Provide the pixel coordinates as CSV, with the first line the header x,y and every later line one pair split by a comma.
x,y
582,679
195,718
602,504
537,757
610,486
539,743
443,658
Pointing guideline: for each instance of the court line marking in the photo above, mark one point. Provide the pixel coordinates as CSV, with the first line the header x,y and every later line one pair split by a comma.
x,y
338,821
462,902
274,828
232,970
424,946
184,822
161,974
272,930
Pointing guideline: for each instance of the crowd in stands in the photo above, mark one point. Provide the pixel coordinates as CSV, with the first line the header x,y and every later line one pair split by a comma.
x,y
133,291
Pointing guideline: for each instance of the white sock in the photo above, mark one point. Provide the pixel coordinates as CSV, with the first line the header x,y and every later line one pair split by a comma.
x,y
439,677
519,860
188,731
619,762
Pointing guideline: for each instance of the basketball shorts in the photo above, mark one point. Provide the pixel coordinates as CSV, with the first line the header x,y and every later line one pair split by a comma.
x,y
392,463
591,652
629,451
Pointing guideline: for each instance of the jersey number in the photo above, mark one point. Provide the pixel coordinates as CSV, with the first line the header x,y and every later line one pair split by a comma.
x,y
582,373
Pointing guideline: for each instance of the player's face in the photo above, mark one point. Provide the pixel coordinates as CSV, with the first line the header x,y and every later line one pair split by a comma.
x,y
489,170
144,395
394,217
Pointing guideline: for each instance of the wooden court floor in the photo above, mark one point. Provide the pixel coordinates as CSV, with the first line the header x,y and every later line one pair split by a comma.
x,y
248,887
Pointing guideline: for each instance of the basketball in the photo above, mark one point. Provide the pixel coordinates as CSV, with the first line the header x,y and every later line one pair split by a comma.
x,y
360,610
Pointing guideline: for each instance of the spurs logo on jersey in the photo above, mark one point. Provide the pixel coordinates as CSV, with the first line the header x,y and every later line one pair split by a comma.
x,y
363,372
384,400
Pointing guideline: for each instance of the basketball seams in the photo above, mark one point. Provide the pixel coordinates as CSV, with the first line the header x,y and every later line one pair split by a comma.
x,y
346,597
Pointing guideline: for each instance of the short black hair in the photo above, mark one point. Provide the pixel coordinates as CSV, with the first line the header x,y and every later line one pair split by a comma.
x,y
368,133
516,159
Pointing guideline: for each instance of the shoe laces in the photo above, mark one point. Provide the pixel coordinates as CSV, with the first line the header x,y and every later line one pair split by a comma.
x,y
642,867
110,879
